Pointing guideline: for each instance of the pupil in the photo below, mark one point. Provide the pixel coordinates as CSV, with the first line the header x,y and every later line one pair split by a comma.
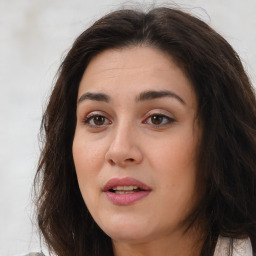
x,y
99,120
156,119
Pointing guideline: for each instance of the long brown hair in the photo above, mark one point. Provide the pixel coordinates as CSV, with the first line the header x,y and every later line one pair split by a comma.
x,y
227,115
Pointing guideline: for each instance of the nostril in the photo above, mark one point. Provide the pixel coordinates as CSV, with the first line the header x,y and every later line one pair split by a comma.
x,y
130,160
112,162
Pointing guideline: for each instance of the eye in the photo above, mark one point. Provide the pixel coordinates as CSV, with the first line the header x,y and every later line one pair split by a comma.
x,y
159,120
96,120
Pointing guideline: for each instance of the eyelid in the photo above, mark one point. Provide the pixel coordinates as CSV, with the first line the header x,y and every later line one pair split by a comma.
x,y
162,113
169,119
93,114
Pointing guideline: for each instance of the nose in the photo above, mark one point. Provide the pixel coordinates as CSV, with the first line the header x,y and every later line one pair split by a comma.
x,y
124,148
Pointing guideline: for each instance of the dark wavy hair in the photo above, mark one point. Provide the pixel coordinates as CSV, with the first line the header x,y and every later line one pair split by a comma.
x,y
226,112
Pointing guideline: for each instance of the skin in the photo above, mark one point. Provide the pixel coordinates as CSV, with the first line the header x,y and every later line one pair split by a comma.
x,y
125,141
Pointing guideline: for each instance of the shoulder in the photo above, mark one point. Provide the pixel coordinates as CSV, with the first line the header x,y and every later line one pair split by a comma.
x,y
241,247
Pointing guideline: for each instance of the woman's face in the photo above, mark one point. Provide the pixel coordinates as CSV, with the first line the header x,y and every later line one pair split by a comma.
x,y
135,143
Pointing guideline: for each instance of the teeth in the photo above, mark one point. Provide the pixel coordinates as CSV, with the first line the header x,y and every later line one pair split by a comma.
x,y
123,192
125,188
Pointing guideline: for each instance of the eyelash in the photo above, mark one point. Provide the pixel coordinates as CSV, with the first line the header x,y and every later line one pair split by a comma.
x,y
168,120
92,117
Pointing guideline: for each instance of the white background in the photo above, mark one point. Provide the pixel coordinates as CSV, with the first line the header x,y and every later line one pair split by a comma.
x,y
34,36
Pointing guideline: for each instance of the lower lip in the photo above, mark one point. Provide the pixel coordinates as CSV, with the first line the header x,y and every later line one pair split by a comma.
x,y
126,199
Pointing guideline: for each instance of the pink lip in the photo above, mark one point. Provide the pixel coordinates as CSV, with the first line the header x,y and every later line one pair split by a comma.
x,y
125,199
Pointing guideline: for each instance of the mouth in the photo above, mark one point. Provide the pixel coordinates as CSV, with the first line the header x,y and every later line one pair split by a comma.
x,y
125,191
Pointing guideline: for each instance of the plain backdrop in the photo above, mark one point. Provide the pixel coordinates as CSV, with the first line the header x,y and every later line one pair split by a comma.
x,y
35,35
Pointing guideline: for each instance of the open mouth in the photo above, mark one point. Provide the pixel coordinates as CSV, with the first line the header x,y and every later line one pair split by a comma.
x,y
125,189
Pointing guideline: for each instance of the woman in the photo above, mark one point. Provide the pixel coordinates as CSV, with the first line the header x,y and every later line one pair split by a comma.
x,y
149,142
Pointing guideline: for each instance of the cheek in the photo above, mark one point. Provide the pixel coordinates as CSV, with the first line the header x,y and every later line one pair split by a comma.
x,y
88,159
174,153
175,162
87,153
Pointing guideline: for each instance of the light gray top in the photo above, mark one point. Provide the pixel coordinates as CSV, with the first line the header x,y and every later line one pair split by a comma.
x,y
242,247
35,254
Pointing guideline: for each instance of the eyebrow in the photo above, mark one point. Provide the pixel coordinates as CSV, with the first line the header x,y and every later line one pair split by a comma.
x,y
143,96
94,96
151,95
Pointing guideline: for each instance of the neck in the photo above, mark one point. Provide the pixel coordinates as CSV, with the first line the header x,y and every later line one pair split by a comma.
x,y
188,244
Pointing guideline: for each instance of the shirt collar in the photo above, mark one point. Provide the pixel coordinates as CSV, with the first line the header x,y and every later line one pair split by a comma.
x,y
241,247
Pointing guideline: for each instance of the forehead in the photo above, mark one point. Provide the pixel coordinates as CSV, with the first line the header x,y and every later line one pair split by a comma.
x,y
132,70
132,60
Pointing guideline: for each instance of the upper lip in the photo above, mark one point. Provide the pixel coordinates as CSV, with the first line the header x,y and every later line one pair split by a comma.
x,y
127,181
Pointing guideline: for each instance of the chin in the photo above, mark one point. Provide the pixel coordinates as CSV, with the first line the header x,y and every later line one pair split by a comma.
x,y
128,230
128,236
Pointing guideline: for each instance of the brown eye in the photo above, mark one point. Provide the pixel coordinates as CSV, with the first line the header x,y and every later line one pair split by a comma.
x,y
98,120
159,120
156,119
